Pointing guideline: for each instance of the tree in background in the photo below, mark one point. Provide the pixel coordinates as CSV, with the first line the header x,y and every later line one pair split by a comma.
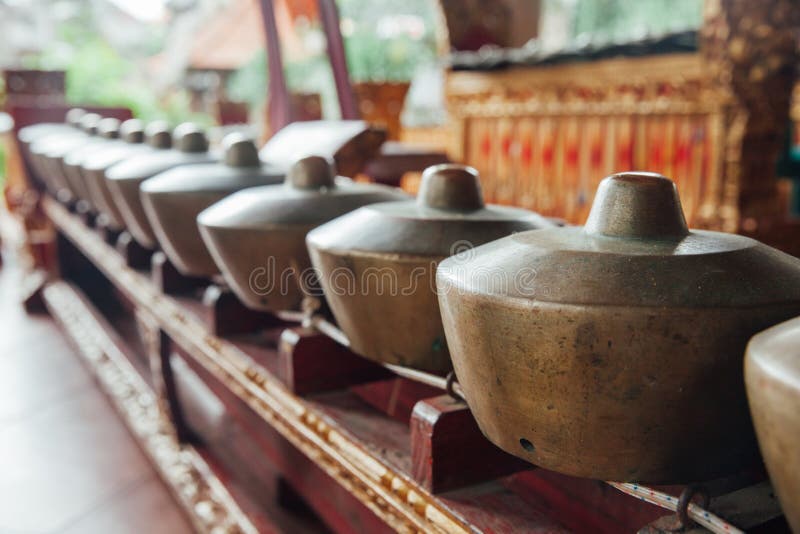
x,y
386,40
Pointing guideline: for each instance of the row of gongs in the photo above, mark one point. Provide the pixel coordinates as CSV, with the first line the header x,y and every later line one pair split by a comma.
x,y
612,350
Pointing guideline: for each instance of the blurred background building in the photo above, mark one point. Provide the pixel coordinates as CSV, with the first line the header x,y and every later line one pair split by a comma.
x,y
205,60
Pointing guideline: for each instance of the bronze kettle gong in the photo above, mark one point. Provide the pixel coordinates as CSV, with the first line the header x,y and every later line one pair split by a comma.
x,y
57,155
49,151
174,198
94,166
108,131
257,236
29,134
614,351
377,264
124,178
772,377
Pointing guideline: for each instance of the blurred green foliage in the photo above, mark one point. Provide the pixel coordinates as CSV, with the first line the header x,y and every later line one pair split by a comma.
x,y
98,74
622,20
384,41
249,83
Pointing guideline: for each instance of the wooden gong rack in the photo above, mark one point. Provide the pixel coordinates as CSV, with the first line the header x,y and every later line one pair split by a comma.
x,y
262,425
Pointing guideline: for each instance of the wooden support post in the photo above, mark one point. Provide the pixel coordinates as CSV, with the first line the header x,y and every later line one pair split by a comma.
x,y
85,213
68,202
311,362
395,397
169,281
135,255
107,233
448,450
225,315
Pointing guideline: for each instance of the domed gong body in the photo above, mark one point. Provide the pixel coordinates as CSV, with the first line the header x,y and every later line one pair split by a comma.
x,y
173,199
130,144
125,178
257,236
772,377
614,351
377,264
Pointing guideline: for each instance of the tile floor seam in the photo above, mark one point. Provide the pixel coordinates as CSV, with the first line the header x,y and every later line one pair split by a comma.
x,y
50,404
15,531
45,405
31,342
105,500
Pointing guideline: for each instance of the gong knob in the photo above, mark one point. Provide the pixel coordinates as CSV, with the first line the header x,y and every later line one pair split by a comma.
x,y
240,151
190,138
312,172
451,187
641,205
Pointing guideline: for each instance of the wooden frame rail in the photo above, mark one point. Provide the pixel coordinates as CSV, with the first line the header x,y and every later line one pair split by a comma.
x,y
389,494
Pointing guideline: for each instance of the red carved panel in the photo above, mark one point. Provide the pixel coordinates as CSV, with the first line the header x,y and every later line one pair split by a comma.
x,y
553,163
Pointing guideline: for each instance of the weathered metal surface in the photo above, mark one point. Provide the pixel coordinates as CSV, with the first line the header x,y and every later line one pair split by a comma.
x,y
377,264
174,198
599,351
772,376
124,178
257,236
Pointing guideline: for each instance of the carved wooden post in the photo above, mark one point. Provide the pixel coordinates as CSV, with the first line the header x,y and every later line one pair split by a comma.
x,y
752,53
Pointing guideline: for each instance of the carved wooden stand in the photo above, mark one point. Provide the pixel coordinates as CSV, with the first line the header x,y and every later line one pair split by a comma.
x,y
448,450
221,423
168,280
395,397
309,362
223,313
136,256
226,316
85,213
107,233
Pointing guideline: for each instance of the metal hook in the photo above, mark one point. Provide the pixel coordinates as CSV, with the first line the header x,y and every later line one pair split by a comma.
x,y
450,383
688,493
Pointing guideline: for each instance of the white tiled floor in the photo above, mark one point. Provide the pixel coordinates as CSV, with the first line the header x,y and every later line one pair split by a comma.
x,y
67,463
